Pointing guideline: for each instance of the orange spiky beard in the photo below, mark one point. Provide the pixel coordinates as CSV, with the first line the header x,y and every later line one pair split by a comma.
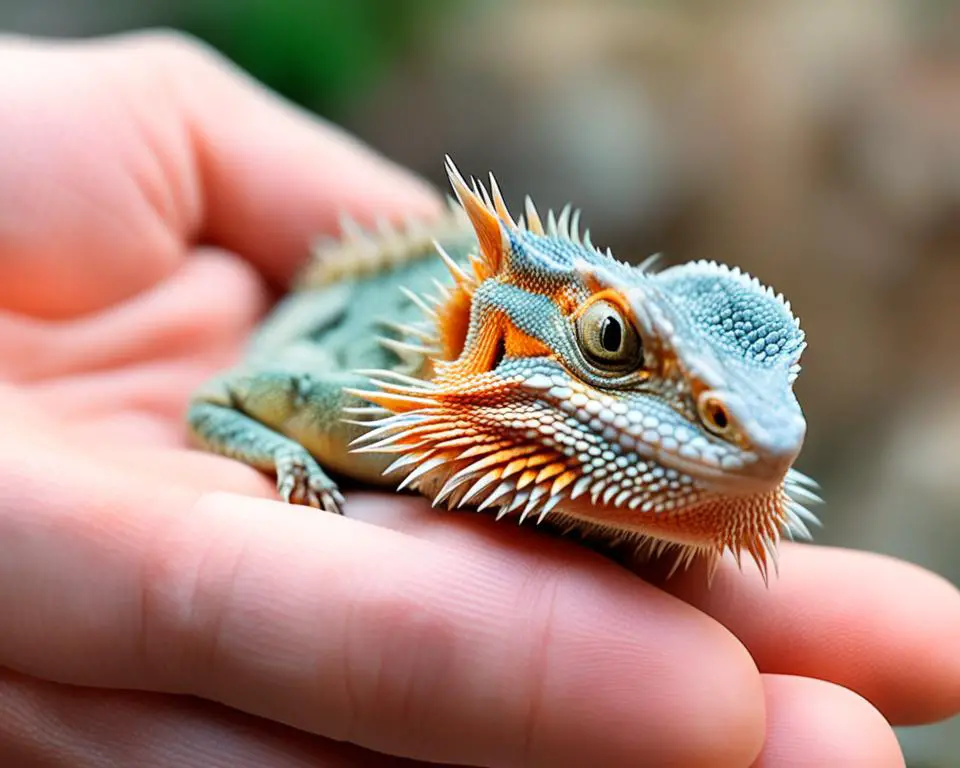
x,y
503,423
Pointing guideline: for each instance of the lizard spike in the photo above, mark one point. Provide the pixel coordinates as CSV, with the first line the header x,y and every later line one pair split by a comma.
x,y
548,507
453,500
421,304
580,487
797,477
758,557
500,457
518,501
525,479
501,207
458,274
397,403
550,470
356,422
379,432
563,222
403,461
365,410
391,444
533,218
609,492
536,494
351,229
480,190
648,263
483,449
804,514
387,373
452,437
561,482
587,242
800,516
551,224
427,466
505,487
405,329
485,480
515,466
575,226
678,561
459,438
595,490
450,486
398,421
797,528
486,225
404,349
800,493
442,290
398,389
773,554
713,567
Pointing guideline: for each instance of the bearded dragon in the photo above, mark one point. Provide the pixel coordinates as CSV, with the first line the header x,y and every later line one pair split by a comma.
x,y
511,365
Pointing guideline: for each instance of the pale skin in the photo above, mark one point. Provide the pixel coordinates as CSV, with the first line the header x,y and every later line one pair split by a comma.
x,y
162,608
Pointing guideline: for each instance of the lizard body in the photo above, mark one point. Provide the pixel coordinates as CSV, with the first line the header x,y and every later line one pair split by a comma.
x,y
512,365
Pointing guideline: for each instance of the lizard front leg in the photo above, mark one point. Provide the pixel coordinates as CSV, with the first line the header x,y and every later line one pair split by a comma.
x,y
279,422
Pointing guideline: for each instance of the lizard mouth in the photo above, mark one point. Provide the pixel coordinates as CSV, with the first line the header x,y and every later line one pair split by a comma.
x,y
461,462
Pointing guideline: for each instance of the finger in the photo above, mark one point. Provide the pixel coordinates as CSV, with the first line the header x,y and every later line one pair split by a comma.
x,y
273,177
202,312
364,634
813,723
187,150
193,470
46,724
881,627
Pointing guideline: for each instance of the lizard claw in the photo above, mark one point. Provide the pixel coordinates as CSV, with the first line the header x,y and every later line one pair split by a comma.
x,y
300,480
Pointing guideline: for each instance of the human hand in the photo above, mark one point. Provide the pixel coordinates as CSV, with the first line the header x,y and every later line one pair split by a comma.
x,y
150,196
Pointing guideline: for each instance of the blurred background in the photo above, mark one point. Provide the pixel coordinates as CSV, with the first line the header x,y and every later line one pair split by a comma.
x,y
815,144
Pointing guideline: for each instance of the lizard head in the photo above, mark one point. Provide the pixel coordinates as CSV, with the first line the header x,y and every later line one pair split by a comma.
x,y
621,400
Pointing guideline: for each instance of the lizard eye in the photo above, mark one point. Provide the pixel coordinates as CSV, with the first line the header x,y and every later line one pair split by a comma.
x,y
608,339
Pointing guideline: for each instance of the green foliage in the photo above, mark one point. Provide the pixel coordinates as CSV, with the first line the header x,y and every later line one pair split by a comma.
x,y
318,53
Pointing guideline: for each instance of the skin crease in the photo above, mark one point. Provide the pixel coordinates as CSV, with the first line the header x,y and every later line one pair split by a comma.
x,y
153,200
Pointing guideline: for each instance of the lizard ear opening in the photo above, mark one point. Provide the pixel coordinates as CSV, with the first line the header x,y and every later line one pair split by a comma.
x,y
484,217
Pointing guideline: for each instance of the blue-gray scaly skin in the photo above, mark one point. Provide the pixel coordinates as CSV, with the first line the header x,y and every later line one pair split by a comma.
x,y
516,367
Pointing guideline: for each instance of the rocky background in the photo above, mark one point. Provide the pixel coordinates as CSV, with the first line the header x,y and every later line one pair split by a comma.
x,y
815,144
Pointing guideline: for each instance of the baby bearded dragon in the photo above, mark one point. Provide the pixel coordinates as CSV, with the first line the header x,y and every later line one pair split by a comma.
x,y
546,380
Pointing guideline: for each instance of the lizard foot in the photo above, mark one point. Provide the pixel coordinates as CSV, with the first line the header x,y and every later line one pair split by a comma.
x,y
300,480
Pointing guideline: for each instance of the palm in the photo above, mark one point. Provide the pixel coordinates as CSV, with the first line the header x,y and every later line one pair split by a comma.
x,y
111,313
